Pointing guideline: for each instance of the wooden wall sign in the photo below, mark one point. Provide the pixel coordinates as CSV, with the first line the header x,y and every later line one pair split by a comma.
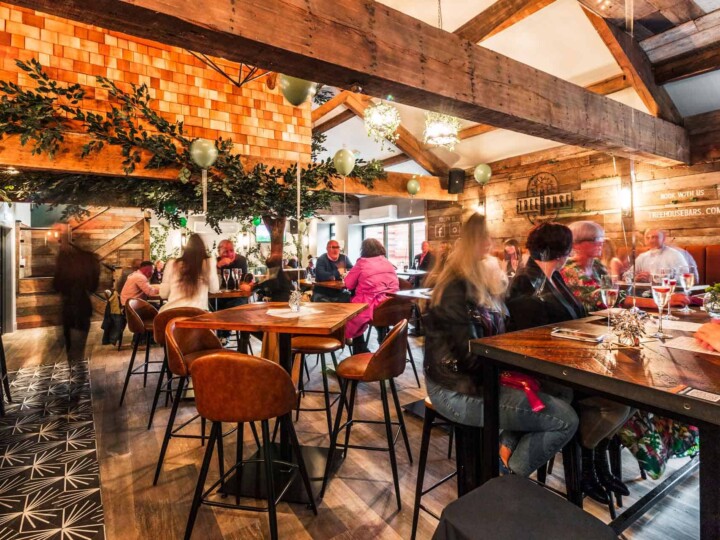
x,y
543,200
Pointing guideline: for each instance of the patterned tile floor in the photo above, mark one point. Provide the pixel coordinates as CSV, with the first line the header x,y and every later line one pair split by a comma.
x,y
49,472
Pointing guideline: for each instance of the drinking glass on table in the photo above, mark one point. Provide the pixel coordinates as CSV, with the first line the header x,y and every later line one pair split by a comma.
x,y
236,278
661,296
670,279
609,292
687,280
341,270
226,278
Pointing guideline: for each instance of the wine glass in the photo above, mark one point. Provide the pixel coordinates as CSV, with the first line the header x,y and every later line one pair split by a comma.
x,y
687,280
609,291
226,278
670,279
341,270
236,278
661,296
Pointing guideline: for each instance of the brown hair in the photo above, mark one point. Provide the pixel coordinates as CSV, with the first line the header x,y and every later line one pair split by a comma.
x,y
371,247
190,264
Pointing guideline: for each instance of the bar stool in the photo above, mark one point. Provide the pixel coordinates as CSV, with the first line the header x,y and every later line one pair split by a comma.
x,y
319,345
513,507
183,347
384,365
386,315
267,391
159,324
140,316
5,378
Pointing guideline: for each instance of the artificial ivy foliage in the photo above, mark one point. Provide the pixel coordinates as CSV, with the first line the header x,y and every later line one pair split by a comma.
x,y
43,115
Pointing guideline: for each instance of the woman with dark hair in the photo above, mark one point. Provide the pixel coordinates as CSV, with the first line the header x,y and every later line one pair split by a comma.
x,y
539,296
467,303
372,277
188,279
512,257
276,287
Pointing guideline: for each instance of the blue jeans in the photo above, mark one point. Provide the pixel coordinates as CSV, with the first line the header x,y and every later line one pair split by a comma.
x,y
539,435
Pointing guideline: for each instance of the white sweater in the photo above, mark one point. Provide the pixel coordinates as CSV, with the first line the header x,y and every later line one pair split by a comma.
x,y
171,291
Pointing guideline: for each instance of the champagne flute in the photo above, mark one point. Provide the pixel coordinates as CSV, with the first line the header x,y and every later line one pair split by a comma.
x,y
687,280
609,291
670,279
236,278
661,296
226,278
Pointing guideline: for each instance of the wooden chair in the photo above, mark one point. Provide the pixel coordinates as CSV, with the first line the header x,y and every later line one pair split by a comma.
x,y
140,316
268,392
385,316
381,367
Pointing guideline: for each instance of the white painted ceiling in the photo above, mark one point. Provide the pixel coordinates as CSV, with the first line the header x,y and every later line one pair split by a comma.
x,y
559,40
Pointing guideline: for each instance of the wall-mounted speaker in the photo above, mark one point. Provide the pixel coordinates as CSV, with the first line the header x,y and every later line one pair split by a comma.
x,y
292,226
456,181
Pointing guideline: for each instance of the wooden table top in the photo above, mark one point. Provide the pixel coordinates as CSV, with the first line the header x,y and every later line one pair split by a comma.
x,y
327,318
413,294
230,294
652,375
335,284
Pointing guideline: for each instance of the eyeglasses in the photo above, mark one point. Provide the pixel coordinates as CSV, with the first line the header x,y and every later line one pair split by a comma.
x,y
333,247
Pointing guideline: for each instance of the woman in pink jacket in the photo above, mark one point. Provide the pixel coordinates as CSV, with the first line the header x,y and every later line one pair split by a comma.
x,y
372,277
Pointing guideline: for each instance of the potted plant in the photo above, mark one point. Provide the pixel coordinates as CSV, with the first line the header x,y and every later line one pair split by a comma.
x,y
711,301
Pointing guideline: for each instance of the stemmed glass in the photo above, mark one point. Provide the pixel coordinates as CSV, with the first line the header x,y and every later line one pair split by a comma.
x,y
341,270
669,279
236,278
687,280
609,291
661,296
226,278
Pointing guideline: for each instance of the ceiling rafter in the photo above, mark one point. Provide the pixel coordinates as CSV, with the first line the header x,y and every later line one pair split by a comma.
x,y
388,52
334,121
635,65
395,160
499,16
687,65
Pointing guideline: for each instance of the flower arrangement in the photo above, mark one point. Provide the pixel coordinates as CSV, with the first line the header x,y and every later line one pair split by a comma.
x,y
711,301
629,326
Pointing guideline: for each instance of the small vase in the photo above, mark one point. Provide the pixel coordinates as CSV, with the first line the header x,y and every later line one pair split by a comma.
x,y
711,302
295,299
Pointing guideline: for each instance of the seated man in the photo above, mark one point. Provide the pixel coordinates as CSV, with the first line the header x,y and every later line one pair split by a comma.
x,y
425,260
657,256
331,267
228,259
137,284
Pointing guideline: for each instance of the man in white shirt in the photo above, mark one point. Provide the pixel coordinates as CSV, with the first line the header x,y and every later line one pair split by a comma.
x,y
657,256
138,285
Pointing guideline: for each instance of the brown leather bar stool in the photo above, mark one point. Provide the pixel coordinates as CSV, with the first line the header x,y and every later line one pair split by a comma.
x,y
183,347
386,315
140,316
267,391
159,324
319,345
384,365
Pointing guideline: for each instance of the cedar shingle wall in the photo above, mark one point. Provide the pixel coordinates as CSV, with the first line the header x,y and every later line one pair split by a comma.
x,y
258,120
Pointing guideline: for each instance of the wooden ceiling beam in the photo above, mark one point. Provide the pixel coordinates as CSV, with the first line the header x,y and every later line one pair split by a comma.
x,y
704,130
335,121
636,67
388,52
685,38
499,16
406,141
474,131
687,65
330,105
395,160
108,162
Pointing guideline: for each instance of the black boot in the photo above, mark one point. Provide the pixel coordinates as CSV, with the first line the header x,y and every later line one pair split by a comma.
x,y
602,467
359,345
590,483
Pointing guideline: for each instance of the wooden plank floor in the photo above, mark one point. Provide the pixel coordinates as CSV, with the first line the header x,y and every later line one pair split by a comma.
x,y
359,503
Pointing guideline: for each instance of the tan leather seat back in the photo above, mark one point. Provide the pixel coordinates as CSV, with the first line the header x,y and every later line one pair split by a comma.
x,y
389,361
138,312
183,341
391,311
164,317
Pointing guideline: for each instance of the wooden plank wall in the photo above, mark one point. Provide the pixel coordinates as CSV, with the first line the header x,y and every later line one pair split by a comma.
x,y
684,200
117,235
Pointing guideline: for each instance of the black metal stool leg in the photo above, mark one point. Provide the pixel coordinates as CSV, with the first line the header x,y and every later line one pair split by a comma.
x,y
333,437
391,446
158,389
412,365
238,460
615,452
255,433
301,388
197,498
136,343
168,430
148,339
221,458
424,445
401,420
326,393
269,481
351,410
450,441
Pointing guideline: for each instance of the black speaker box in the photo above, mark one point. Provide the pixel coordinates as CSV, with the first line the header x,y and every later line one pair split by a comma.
x,y
456,181
293,226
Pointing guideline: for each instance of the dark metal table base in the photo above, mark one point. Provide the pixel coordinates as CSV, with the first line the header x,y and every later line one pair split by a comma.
x,y
252,483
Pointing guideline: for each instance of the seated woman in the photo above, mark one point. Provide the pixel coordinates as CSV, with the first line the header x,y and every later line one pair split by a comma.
x,y
467,304
539,296
188,280
512,258
372,277
276,287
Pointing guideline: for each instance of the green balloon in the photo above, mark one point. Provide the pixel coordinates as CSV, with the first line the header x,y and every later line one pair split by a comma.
x,y
344,161
295,90
482,173
203,153
183,222
413,186
170,207
257,221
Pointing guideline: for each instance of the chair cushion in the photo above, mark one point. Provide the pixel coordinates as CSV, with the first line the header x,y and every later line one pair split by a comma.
x,y
315,344
354,367
191,357
514,507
